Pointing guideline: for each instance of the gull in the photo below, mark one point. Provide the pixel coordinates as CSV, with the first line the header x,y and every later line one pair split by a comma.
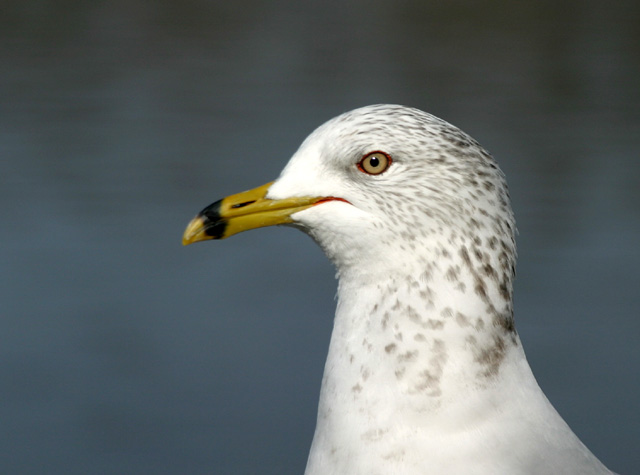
x,y
425,372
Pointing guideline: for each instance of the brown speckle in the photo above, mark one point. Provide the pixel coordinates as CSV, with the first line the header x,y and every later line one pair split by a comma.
x,y
462,320
488,270
367,345
429,378
480,288
385,320
452,274
491,357
408,356
374,435
364,372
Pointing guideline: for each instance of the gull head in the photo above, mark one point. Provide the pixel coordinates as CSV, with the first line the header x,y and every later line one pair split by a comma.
x,y
380,188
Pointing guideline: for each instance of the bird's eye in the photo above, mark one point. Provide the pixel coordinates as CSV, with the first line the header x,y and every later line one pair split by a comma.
x,y
374,163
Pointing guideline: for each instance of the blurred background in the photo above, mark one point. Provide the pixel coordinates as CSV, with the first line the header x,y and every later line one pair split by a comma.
x,y
123,352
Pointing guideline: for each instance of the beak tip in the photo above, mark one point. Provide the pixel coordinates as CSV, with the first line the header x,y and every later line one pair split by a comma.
x,y
194,232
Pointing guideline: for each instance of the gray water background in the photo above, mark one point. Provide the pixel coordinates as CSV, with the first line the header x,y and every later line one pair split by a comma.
x,y
123,352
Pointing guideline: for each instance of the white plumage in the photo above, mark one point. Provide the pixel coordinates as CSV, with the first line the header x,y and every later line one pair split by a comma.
x,y
425,371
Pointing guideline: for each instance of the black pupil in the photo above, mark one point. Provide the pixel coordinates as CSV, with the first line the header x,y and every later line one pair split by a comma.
x,y
374,162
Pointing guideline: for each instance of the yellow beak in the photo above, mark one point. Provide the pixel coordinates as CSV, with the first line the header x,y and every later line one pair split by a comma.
x,y
241,212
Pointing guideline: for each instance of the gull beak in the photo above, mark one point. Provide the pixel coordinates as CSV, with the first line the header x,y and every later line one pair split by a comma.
x,y
244,211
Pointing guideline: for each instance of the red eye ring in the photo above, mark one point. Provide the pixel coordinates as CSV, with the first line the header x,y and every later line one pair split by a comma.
x,y
374,163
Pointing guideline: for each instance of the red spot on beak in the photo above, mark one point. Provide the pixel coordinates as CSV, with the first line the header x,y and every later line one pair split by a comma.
x,y
331,198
